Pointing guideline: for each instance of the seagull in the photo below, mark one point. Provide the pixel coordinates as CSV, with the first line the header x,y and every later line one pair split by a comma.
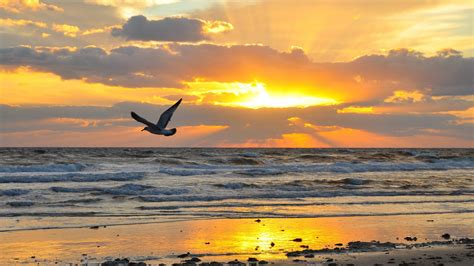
x,y
160,127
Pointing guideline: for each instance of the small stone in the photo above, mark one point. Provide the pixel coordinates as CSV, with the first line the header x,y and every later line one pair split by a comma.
x,y
446,236
298,260
194,259
298,240
182,256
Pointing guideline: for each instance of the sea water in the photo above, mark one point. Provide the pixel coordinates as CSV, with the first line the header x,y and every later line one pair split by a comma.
x,y
78,187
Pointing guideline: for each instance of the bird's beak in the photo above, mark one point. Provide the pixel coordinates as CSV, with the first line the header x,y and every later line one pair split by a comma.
x,y
143,129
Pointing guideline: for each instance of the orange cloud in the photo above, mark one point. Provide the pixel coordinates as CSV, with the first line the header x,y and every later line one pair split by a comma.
x,y
353,138
21,22
98,30
26,87
17,6
113,136
217,26
356,110
405,96
67,30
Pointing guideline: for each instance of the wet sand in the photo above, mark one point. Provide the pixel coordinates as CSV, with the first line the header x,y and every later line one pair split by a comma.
x,y
269,239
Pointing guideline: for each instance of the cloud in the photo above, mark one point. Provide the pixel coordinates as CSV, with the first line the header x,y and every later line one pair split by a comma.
x,y
368,78
447,73
98,30
17,6
21,22
171,29
67,30
98,17
405,96
228,126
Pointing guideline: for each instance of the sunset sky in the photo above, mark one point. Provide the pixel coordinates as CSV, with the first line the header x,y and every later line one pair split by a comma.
x,y
315,73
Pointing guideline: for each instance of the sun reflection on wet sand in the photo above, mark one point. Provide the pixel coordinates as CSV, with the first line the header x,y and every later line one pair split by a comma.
x,y
223,239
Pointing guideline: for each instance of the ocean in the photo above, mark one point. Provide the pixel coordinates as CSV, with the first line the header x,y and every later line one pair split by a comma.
x,y
44,188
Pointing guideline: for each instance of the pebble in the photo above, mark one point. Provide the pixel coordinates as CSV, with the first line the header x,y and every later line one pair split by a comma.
x,y
446,236
182,256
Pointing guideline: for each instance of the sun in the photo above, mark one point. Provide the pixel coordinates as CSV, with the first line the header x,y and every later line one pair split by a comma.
x,y
263,98
253,95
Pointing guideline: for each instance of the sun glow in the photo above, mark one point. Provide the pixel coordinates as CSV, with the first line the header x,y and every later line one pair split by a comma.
x,y
265,99
253,95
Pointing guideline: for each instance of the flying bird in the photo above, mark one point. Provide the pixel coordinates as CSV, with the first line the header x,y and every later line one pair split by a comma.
x,y
160,127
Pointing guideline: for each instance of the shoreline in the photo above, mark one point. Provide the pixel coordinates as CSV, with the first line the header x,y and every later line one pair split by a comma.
x,y
224,240
179,219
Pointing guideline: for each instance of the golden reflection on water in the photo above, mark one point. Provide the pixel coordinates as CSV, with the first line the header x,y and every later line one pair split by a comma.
x,y
220,237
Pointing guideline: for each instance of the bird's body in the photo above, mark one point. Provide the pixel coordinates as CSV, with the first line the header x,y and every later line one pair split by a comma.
x,y
160,127
159,131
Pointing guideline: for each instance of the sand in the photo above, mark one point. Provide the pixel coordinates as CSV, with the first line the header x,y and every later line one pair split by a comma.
x,y
225,240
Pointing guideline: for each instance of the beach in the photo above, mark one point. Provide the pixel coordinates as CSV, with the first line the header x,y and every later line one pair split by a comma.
x,y
282,206
224,240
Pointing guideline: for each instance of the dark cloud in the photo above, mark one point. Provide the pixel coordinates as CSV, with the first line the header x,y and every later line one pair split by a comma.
x,y
372,77
447,73
243,124
170,29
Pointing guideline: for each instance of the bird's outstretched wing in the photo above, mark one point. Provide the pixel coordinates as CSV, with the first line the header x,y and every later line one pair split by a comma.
x,y
166,115
141,119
